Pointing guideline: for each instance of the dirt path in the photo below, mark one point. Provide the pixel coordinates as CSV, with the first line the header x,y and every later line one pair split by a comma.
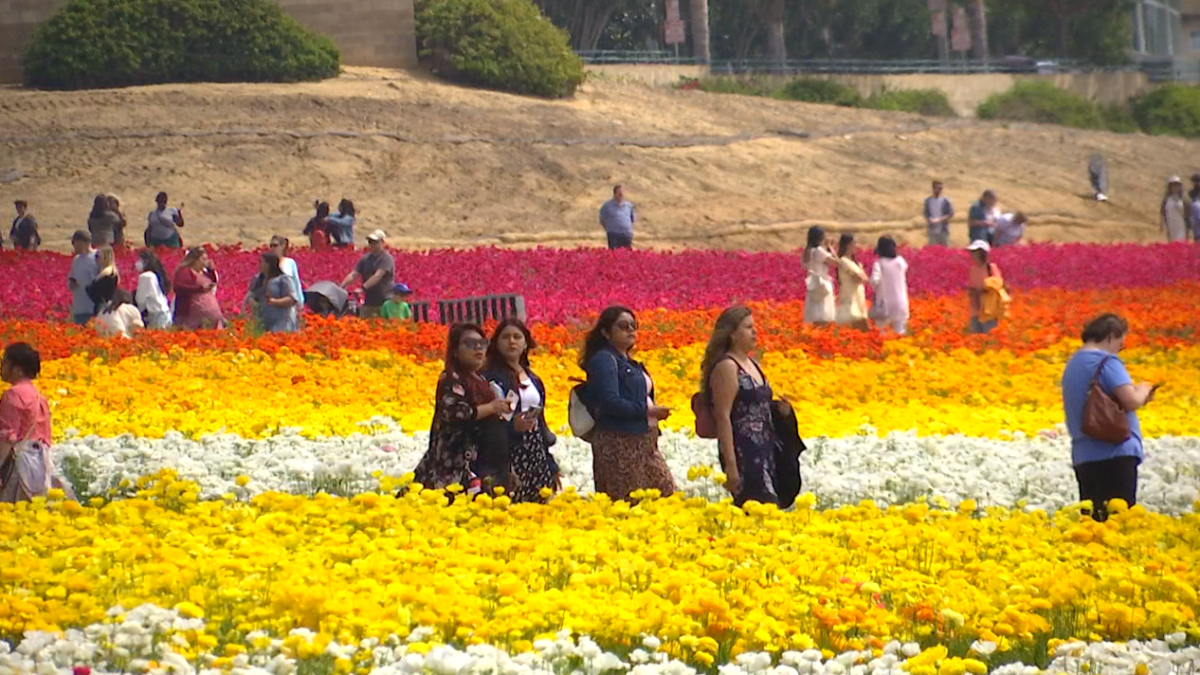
x,y
437,165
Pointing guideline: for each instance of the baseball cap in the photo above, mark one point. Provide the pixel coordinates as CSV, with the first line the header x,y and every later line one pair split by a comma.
x,y
1175,179
979,245
377,235
402,289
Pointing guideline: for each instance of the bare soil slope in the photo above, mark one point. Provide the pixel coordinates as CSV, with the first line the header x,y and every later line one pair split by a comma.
x,y
439,165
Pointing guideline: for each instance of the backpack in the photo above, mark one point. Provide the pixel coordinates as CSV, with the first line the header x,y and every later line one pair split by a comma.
x,y
579,414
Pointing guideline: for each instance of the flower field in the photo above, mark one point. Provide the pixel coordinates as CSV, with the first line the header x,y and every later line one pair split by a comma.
x,y
238,513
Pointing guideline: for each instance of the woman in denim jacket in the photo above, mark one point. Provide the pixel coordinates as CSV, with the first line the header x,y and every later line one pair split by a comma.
x,y
620,393
529,439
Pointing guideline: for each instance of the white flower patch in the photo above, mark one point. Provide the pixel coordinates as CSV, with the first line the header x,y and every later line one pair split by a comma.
x,y
143,642
1034,473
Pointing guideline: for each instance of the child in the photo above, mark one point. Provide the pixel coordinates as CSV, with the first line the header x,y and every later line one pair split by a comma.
x,y
889,276
396,306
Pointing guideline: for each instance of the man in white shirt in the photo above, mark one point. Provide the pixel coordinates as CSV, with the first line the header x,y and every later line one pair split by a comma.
x,y
1010,228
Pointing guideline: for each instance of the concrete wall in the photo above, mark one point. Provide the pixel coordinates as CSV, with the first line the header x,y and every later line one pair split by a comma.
x,y
965,92
368,32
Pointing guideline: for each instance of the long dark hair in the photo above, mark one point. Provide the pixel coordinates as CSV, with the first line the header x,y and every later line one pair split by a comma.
x,y
272,261
721,341
496,360
151,263
816,237
99,206
844,242
322,209
480,391
120,297
346,207
595,340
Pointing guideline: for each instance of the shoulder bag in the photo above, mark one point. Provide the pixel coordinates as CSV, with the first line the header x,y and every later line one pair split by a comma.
x,y
1103,418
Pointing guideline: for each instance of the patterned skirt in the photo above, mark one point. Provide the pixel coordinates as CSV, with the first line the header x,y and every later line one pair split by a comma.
x,y
625,463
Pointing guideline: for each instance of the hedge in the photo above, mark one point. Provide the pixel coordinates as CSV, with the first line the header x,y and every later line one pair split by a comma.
x,y
117,43
1042,102
928,102
499,44
1171,110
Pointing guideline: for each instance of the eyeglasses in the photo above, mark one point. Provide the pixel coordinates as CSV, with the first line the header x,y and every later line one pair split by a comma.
x,y
627,326
474,344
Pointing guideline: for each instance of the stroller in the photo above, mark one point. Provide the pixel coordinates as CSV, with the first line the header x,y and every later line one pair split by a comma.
x,y
325,298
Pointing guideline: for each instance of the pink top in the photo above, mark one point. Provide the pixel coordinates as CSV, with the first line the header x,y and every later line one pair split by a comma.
x,y
893,286
22,408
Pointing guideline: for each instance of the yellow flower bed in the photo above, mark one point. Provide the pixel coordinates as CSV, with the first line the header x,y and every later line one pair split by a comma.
x,y
705,577
254,394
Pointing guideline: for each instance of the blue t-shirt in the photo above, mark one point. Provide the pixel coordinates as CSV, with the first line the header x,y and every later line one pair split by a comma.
x,y
617,218
1076,382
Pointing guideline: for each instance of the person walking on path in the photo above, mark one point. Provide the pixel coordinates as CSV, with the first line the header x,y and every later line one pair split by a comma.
x,y
741,399
24,232
618,216
26,462
377,269
1104,470
981,219
625,454
1175,211
83,273
163,223
938,214
529,439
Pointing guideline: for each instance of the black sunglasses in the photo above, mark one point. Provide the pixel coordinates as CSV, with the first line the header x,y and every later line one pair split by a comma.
x,y
476,344
627,326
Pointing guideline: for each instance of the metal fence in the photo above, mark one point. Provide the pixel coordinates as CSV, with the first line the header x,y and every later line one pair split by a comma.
x,y
1163,70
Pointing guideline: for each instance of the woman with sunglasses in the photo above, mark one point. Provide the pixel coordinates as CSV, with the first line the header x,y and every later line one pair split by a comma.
x,y
468,440
529,439
625,455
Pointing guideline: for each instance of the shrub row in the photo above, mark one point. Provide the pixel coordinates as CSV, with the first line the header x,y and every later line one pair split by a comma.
x,y
1170,110
932,102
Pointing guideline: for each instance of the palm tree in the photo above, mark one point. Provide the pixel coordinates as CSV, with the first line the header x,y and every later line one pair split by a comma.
x,y
770,12
977,20
699,11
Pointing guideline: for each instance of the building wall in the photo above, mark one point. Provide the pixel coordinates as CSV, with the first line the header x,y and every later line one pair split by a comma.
x,y
368,32
965,92
1190,40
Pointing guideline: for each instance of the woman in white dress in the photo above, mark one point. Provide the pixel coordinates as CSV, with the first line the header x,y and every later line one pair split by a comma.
x,y
889,276
852,280
1174,210
818,278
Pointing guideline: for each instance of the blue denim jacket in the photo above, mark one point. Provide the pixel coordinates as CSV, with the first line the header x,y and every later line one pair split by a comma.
x,y
616,391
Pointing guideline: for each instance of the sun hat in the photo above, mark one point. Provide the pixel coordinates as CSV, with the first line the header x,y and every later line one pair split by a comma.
x,y
979,245
377,235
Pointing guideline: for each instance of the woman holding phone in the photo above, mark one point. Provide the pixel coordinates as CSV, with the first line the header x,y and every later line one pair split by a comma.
x,y
529,439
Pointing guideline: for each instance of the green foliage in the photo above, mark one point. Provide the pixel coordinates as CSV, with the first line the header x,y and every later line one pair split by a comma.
x,y
928,102
1096,31
1171,110
816,90
499,44
116,43
1044,103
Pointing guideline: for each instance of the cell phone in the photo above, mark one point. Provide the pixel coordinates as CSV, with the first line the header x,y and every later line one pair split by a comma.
x,y
1155,387
531,412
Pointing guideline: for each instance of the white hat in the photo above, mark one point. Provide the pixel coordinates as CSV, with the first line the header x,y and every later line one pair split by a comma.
x,y
377,235
1175,179
979,245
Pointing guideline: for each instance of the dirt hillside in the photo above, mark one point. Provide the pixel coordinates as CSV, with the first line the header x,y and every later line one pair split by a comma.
x,y
439,165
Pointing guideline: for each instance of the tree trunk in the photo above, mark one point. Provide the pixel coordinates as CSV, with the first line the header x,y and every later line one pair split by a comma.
x,y
977,20
772,18
699,12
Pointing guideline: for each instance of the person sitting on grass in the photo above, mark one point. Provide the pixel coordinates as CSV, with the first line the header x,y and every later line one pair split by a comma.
x,y
396,306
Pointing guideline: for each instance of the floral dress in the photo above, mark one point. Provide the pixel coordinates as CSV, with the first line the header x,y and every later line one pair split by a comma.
x,y
462,448
754,440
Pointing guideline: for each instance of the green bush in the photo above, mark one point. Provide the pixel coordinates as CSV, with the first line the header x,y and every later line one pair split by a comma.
x,y
1044,103
1171,110
499,44
816,90
929,102
117,43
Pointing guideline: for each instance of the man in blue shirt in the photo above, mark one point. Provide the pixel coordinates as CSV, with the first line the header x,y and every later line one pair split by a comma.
x,y
938,214
980,220
83,272
1104,470
617,216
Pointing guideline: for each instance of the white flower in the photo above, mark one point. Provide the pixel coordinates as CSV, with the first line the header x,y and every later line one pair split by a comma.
x,y
652,643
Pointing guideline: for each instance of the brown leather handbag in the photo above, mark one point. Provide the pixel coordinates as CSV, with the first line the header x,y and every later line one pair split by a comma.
x,y
1103,418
